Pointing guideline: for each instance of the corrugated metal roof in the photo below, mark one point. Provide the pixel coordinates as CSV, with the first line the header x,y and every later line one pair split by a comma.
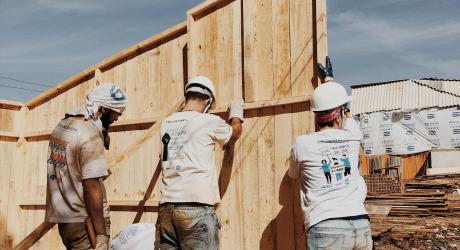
x,y
405,95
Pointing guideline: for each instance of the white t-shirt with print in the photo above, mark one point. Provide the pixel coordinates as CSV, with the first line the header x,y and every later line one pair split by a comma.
x,y
331,185
75,153
189,172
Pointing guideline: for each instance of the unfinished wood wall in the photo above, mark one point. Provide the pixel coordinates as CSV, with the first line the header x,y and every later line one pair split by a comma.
x,y
255,49
411,165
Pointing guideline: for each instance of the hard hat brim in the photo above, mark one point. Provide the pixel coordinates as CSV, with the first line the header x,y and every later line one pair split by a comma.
x,y
335,105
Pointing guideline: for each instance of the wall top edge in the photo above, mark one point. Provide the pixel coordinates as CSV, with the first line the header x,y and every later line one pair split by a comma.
x,y
14,105
176,30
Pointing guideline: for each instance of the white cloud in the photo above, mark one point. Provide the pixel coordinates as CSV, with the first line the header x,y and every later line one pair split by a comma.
x,y
358,31
447,67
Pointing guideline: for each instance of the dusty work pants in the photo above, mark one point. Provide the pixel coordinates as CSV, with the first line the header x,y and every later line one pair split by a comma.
x,y
188,226
340,234
74,235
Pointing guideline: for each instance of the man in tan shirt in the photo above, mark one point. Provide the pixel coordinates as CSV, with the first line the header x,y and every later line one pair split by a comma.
x,y
76,166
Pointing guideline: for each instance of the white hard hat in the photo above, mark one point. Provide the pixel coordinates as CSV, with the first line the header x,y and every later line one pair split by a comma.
x,y
201,84
329,95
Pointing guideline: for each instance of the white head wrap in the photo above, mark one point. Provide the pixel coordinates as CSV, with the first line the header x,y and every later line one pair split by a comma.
x,y
107,95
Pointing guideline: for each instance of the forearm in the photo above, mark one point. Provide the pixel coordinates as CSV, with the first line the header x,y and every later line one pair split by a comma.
x,y
93,196
236,129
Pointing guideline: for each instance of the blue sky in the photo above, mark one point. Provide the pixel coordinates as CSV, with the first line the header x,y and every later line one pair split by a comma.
x,y
47,41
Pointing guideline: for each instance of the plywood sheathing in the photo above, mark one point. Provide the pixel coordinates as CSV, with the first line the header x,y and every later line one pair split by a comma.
x,y
274,73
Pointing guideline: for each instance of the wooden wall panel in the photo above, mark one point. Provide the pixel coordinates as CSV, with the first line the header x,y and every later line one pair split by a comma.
x,y
214,43
258,44
9,112
279,41
275,42
47,115
320,26
7,149
7,120
302,47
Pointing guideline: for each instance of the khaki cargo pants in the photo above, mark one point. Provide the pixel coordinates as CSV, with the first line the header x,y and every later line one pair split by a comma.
x,y
74,235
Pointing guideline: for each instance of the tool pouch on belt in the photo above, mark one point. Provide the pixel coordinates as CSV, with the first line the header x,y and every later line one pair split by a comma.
x,y
91,232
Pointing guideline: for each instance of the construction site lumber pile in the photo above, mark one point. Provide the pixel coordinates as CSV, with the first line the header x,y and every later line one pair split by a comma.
x,y
415,232
424,215
421,197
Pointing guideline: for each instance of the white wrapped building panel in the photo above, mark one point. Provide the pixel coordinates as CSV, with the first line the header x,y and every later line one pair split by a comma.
x,y
400,133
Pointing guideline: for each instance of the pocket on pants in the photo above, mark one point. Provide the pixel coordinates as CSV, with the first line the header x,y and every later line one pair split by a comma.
x,y
369,242
196,237
328,241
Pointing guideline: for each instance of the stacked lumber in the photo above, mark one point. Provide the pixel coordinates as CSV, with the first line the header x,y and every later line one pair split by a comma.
x,y
449,184
424,215
434,195
409,204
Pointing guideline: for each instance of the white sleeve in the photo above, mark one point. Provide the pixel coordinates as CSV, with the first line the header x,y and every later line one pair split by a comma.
x,y
294,166
222,132
92,160
351,125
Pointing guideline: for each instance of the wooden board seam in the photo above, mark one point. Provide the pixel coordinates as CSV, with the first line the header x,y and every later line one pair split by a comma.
x,y
9,134
247,106
23,204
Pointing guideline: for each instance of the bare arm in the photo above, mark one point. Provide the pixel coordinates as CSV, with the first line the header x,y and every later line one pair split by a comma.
x,y
237,128
92,193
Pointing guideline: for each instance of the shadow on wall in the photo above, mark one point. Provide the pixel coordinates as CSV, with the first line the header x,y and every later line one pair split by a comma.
x,y
226,169
6,240
286,230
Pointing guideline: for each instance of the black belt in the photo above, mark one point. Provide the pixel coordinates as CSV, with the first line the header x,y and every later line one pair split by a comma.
x,y
185,204
356,217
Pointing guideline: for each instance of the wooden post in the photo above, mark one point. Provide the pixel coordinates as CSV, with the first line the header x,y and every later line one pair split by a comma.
x,y
35,236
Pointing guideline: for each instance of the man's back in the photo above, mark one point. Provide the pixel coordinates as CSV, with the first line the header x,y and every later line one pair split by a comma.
x,y
75,152
189,173
327,190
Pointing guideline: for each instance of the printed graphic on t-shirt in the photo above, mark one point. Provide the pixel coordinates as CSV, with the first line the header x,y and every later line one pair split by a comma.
x,y
336,165
57,156
173,143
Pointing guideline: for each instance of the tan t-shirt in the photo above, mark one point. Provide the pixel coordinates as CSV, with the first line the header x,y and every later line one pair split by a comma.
x,y
75,153
189,172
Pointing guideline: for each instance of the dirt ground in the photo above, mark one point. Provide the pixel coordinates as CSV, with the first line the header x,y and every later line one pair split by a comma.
x,y
441,233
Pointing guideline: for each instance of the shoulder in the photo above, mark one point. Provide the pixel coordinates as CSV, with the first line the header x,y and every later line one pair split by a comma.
x,y
213,117
86,129
305,140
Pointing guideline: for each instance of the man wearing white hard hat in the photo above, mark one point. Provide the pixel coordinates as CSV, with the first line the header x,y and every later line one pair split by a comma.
x,y
189,187
76,168
332,202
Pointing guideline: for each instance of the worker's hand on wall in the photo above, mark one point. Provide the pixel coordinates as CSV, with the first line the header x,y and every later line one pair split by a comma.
x,y
102,242
236,109
326,72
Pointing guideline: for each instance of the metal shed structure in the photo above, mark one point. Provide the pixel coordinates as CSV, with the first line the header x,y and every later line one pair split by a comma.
x,y
405,95
262,50
398,101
